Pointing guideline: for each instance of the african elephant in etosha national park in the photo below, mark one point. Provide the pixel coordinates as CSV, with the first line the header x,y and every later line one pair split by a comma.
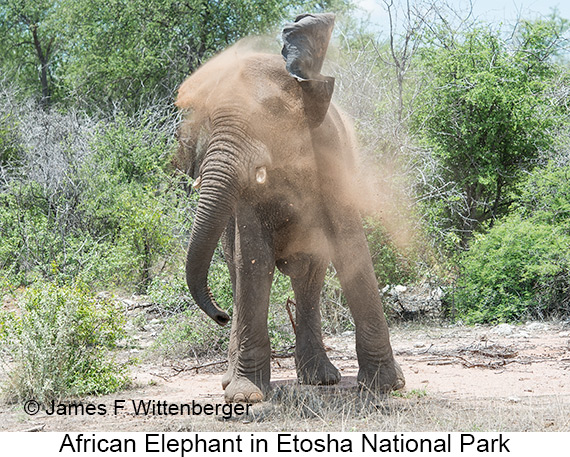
x,y
275,163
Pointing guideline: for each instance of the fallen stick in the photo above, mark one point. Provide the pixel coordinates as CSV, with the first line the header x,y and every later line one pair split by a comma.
x,y
37,428
288,308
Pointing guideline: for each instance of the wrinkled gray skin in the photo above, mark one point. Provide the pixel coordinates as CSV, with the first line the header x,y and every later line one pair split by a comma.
x,y
275,162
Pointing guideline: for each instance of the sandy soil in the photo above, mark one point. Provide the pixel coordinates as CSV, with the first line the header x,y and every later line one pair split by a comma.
x,y
511,378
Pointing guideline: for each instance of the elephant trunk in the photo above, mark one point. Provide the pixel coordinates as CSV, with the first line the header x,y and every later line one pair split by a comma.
x,y
218,196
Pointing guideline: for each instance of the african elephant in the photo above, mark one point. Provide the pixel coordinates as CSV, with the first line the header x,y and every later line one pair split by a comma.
x,y
275,163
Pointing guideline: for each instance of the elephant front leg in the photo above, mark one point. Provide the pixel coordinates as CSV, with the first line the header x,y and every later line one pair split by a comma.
x,y
248,377
228,244
313,365
378,369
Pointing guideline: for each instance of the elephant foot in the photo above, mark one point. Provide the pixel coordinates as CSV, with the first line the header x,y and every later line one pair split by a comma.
x,y
382,379
317,371
242,390
227,378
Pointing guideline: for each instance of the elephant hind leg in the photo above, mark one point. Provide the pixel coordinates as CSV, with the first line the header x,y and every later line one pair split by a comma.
x,y
313,365
378,370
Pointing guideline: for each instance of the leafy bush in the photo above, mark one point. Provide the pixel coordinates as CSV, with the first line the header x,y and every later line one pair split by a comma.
x,y
189,332
130,200
89,199
335,314
59,344
545,196
390,264
9,150
487,115
521,267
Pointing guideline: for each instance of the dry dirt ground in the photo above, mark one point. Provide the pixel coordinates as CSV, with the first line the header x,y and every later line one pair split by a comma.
x,y
503,378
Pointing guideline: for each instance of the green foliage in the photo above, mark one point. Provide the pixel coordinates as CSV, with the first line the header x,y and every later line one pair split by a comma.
x,y
390,264
9,147
154,44
127,199
518,270
29,40
59,344
487,115
521,267
109,212
545,196
97,53
189,332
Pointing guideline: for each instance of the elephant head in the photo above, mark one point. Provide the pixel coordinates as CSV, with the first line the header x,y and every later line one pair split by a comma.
x,y
233,112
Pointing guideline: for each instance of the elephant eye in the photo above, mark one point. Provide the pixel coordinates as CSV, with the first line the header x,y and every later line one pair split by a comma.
x,y
261,175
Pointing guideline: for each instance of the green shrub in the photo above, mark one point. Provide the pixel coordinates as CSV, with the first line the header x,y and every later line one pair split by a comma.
x,y
169,292
35,245
59,342
391,266
9,145
335,314
545,196
130,199
487,115
132,150
108,212
519,269
189,332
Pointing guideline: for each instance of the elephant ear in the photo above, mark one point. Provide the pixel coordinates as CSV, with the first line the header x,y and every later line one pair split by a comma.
x,y
305,44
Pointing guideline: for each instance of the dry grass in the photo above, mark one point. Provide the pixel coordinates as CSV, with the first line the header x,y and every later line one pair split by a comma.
x,y
454,385
299,408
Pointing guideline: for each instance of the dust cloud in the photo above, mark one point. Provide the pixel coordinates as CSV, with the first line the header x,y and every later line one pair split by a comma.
x,y
367,185
385,198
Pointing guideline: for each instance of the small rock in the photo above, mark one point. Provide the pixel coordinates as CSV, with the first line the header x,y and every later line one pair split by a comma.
x,y
519,335
419,345
130,304
536,327
564,334
437,293
103,295
400,289
503,329
514,399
